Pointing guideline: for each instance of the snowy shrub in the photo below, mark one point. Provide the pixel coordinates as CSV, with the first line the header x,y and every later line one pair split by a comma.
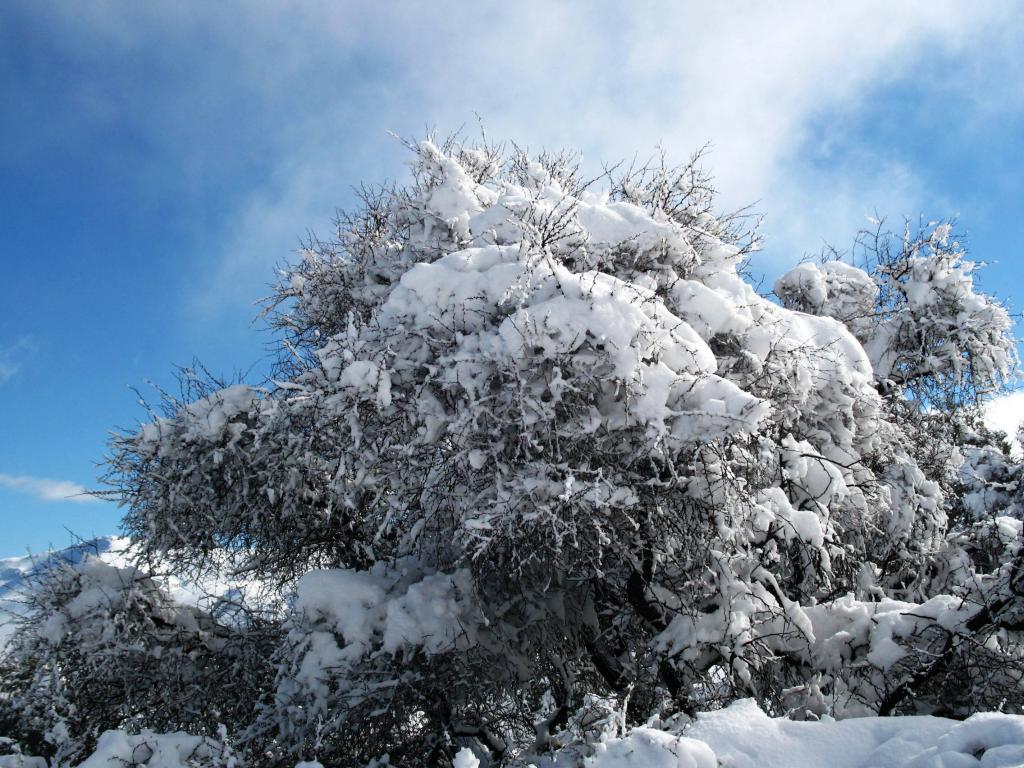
x,y
373,651
105,647
534,442
115,749
991,484
923,324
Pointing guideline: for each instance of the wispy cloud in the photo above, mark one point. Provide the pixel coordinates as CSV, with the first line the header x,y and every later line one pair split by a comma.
x,y
46,489
752,79
769,85
12,356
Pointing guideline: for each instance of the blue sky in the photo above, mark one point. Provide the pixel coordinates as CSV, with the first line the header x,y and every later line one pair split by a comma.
x,y
159,159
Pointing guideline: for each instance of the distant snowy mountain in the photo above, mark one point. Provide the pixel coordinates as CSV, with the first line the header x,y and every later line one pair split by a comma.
x,y
15,572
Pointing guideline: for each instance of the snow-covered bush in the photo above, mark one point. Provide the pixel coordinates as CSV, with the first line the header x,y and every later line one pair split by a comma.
x,y
105,647
926,328
156,750
535,442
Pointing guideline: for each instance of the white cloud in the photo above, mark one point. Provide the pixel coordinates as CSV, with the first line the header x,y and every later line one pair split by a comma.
x,y
751,78
1006,413
771,86
12,356
8,367
46,489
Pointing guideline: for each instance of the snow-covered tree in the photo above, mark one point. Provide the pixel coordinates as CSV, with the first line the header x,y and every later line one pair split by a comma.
x,y
538,462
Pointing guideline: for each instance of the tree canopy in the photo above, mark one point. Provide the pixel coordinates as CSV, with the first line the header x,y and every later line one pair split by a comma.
x,y
536,452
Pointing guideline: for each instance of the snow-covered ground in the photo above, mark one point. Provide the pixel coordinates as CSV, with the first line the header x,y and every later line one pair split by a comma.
x,y
740,736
